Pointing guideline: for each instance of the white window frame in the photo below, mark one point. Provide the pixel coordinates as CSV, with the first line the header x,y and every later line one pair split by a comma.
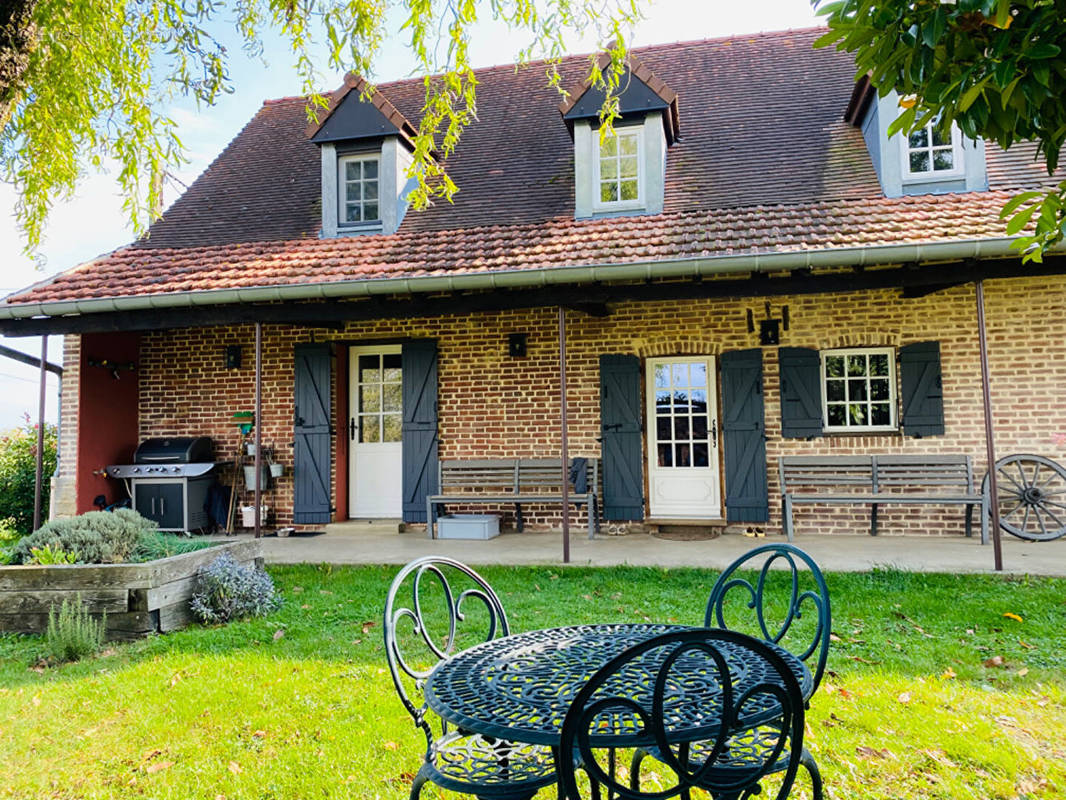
x,y
342,187
958,171
619,205
893,390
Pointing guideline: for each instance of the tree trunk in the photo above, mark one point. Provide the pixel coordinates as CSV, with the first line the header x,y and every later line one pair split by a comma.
x,y
18,36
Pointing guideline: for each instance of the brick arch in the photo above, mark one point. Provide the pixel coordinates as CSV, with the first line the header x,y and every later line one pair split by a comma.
x,y
884,338
689,346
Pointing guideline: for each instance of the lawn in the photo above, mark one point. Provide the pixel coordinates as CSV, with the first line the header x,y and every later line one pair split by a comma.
x,y
939,687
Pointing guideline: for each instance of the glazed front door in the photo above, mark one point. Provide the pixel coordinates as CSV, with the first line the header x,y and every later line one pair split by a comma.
x,y
683,477
375,473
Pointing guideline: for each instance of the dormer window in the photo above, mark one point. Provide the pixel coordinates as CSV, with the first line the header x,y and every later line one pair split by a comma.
x,y
930,154
357,180
618,170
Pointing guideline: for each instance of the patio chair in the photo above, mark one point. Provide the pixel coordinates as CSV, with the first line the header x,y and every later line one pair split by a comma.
x,y
798,619
658,692
452,608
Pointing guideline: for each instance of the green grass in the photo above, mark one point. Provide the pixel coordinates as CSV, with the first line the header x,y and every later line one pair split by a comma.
x,y
908,710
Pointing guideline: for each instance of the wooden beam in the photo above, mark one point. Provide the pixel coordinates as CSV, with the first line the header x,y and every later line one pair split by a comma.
x,y
33,361
334,313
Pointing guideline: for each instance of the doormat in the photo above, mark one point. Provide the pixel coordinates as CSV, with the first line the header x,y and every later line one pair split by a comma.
x,y
304,534
688,533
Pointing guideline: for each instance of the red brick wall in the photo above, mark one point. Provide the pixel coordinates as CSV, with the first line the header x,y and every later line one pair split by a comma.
x,y
495,406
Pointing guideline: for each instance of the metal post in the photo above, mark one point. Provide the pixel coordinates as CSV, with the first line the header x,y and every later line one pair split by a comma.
x,y
990,442
564,454
258,427
38,482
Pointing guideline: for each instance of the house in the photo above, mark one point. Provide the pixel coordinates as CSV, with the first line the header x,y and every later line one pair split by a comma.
x,y
750,269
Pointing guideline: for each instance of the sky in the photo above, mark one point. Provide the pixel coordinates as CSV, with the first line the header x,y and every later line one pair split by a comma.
x,y
92,222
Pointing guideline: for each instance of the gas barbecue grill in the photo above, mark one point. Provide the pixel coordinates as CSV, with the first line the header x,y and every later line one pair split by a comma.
x,y
169,480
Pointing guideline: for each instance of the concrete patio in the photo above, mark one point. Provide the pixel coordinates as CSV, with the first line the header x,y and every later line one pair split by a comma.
x,y
370,543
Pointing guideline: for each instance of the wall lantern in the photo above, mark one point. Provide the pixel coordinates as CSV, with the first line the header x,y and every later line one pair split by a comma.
x,y
516,345
233,356
769,328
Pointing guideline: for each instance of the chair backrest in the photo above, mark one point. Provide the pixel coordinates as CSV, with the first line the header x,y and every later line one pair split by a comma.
x,y
797,613
686,694
436,607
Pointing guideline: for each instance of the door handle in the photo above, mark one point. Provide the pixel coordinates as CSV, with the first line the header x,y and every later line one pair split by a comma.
x,y
162,507
351,429
153,506
714,433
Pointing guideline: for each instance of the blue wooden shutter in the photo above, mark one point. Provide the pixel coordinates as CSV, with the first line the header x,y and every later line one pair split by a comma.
x,y
419,363
801,392
923,396
312,435
620,415
743,437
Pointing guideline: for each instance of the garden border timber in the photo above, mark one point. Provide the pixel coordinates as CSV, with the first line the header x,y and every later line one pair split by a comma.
x,y
138,599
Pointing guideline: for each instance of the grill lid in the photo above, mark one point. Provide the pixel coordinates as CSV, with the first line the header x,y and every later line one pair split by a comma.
x,y
174,450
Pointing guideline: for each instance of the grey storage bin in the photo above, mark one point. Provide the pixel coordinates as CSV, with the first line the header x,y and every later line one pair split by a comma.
x,y
468,526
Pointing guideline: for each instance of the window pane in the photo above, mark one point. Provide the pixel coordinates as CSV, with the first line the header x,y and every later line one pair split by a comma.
x,y
368,369
919,138
662,401
627,144
662,376
699,455
370,428
837,416
680,401
370,168
834,366
370,211
857,413
880,415
629,167
391,396
939,138
353,192
681,375
662,429
608,169
943,159
834,390
353,170
699,401
370,398
609,146
879,364
392,362
698,375
629,189
370,190
699,427
666,455
856,365
857,390
919,162
608,192
684,457
352,212
878,390
681,427
393,428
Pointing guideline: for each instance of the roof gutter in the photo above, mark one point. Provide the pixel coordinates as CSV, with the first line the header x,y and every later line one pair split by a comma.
x,y
692,267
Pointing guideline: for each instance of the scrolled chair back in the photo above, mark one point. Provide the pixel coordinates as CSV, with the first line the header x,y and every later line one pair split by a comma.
x,y
688,694
786,605
436,607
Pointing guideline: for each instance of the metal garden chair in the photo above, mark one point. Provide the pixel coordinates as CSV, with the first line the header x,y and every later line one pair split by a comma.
x,y
439,621
798,619
648,694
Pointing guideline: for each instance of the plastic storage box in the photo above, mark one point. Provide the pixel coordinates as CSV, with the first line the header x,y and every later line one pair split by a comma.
x,y
468,526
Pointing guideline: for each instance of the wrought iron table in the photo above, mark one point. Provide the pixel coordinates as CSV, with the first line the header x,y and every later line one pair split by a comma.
x,y
520,687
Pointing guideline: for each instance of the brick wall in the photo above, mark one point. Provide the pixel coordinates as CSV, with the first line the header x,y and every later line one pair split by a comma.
x,y
64,485
495,406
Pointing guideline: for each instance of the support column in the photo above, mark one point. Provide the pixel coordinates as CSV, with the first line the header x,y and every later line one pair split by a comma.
x,y
38,481
990,440
258,428
565,445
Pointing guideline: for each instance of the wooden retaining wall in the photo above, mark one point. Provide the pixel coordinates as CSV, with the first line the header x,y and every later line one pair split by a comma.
x,y
138,599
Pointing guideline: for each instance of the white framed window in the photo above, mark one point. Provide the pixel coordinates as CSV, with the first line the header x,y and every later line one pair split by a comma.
x,y
859,390
619,171
358,202
930,154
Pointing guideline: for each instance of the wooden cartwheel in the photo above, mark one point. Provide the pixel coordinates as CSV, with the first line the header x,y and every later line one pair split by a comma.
x,y
1032,496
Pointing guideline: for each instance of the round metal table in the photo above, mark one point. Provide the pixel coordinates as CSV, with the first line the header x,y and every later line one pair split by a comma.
x,y
520,687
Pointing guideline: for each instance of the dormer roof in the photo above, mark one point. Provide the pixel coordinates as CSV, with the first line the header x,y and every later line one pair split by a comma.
x,y
356,111
640,91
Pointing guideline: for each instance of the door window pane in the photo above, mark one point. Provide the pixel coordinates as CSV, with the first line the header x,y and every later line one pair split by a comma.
x,y
369,398
699,401
666,458
680,427
393,428
680,374
700,454
662,429
662,376
392,396
683,456
369,428
369,369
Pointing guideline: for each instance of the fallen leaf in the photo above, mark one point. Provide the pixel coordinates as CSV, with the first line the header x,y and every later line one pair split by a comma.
x,y
867,752
1026,645
834,638
324,591
234,767
391,746
367,626
904,698
1023,672
305,606
36,700
175,679
148,756
280,632
357,641
995,661
158,766
259,734
948,673
969,632
297,589
845,693
1015,617
939,756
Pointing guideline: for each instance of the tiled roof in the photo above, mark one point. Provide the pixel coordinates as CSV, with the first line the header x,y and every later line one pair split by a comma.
x,y
766,163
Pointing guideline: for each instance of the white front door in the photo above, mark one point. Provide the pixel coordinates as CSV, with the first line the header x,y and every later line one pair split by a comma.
x,y
375,466
683,438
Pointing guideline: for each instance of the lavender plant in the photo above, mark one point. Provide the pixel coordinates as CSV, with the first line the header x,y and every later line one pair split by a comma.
x,y
226,590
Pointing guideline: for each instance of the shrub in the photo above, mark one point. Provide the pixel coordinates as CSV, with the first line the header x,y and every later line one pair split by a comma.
x,y
46,555
8,539
226,590
156,544
72,633
18,453
99,537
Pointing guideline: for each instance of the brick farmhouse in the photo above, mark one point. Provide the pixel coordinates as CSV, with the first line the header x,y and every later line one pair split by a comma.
x,y
752,268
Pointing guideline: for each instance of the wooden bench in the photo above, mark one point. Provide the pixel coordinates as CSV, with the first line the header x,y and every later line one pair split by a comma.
x,y
879,479
510,480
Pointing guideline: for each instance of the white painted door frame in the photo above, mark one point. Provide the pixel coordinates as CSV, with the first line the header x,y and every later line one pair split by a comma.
x,y
375,457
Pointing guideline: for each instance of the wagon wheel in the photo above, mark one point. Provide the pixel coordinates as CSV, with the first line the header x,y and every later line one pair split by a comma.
x,y
1032,497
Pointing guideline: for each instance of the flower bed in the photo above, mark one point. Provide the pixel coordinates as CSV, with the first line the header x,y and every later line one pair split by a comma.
x,y
138,599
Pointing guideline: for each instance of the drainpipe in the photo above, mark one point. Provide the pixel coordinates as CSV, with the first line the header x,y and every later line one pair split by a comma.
x,y
258,428
565,445
990,440
38,478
